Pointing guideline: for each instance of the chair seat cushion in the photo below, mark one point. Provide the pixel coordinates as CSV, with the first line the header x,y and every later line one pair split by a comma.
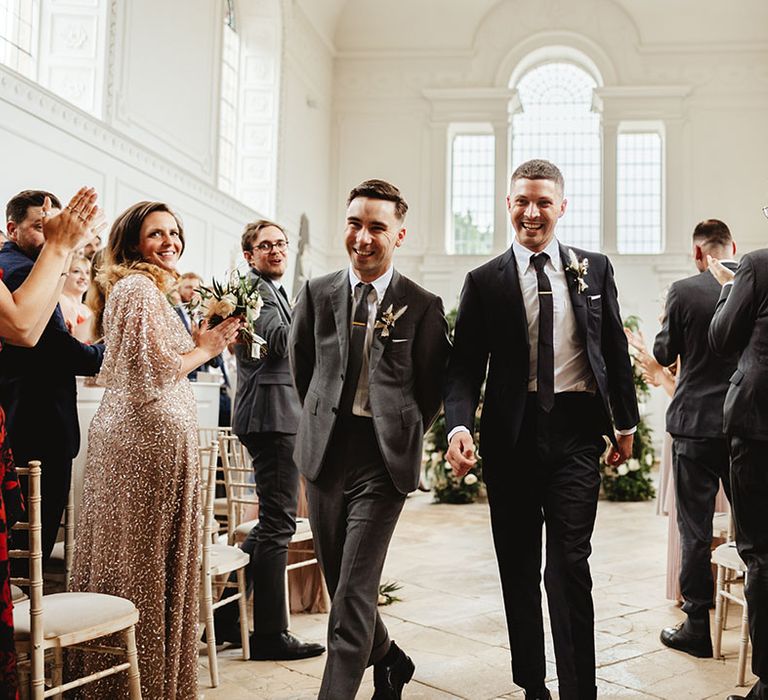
x,y
303,530
225,559
727,555
17,594
69,613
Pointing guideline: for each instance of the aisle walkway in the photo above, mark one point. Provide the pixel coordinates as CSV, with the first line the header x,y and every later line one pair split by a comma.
x,y
450,619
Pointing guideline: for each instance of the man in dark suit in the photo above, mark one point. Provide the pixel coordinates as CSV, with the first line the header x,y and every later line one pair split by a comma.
x,y
37,385
700,458
266,417
368,350
740,325
543,321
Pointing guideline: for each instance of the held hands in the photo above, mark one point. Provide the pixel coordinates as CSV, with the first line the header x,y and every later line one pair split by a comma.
x,y
461,453
719,271
76,224
616,457
214,340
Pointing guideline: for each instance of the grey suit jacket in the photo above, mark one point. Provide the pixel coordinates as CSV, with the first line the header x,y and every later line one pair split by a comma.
x,y
266,400
696,409
405,374
740,325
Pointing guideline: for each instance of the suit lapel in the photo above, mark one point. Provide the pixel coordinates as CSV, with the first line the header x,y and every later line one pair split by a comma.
x,y
341,303
510,286
578,300
283,302
394,296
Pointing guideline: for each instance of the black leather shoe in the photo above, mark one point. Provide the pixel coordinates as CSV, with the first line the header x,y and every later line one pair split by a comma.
x,y
540,694
391,674
282,647
691,636
737,697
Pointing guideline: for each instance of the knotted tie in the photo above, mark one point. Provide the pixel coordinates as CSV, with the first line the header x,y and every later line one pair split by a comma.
x,y
545,367
356,346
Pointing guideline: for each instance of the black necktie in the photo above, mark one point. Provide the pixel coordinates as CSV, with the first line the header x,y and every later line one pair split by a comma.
x,y
284,294
356,346
545,366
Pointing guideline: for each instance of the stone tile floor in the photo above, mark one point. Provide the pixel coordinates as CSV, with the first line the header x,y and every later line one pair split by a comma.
x,y
450,619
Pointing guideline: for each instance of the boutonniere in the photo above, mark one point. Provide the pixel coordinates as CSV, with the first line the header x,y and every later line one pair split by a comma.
x,y
386,322
579,269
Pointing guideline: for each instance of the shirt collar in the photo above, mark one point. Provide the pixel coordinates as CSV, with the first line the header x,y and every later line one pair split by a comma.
x,y
523,255
380,284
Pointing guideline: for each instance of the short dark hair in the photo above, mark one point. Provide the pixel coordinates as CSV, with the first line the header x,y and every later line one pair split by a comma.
x,y
252,231
538,169
712,232
16,209
381,189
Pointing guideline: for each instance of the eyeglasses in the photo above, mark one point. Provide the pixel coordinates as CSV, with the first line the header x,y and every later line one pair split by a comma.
x,y
765,212
267,247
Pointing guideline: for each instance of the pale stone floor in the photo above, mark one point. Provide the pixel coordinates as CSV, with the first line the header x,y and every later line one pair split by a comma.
x,y
450,620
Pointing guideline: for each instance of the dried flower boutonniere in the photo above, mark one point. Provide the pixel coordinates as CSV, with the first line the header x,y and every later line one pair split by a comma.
x,y
386,322
578,268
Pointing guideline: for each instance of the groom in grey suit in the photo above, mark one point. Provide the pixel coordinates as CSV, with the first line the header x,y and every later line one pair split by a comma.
x,y
368,351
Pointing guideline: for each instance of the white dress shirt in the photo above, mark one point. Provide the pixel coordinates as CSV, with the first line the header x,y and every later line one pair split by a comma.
x,y
361,406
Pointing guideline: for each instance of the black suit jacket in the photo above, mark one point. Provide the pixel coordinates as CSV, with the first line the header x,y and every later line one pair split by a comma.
x,y
37,385
740,325
266,400
491,336
696,409
405,379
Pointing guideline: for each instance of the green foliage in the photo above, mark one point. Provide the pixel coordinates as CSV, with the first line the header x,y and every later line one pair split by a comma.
x,y
446,487
387,593
468,238
632,481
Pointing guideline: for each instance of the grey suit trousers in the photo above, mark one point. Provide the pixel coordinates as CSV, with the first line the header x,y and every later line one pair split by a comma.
x,y
353,509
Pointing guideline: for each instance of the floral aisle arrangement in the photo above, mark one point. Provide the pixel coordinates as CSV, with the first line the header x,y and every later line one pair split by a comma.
x,y
238,296
631,481
446,487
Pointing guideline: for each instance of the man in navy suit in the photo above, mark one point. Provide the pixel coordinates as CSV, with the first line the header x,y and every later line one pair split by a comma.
x,y
542,322
37,385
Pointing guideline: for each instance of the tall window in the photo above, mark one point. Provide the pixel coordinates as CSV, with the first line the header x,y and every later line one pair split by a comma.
x,y
557,124
639,192
18,30
230,73
472,179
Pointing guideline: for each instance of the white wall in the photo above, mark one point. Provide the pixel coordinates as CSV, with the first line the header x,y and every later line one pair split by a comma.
x,y
700,67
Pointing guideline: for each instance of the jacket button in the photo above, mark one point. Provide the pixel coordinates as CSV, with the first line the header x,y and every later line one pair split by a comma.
x,y
342,377
334,410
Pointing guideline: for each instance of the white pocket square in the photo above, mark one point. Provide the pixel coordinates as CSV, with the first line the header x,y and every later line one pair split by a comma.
x,y
400,340
595,296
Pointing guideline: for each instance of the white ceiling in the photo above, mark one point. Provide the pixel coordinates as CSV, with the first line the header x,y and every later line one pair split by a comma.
x,y
369,25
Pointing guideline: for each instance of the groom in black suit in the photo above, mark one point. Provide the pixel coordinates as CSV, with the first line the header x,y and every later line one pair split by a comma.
x,y
542,320
700,458
368,349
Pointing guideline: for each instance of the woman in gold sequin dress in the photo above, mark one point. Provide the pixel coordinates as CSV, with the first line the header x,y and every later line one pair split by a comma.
x,y
138,531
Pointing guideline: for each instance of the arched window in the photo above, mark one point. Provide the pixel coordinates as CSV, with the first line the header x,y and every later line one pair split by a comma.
x,y
557,123
19,20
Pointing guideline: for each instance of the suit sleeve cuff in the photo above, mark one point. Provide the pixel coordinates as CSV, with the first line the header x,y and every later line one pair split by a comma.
x,y
457,429
628,431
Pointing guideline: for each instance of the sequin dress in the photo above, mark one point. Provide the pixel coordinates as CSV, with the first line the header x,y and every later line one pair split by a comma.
x,y
138,530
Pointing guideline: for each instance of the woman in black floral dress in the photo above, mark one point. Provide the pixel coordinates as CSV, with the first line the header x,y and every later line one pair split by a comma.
x,y
35,219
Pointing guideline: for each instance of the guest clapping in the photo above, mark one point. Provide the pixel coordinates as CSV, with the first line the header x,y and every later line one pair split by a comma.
x,y
138,532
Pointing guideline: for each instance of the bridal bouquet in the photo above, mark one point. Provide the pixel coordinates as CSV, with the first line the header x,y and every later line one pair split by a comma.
x,y
238,296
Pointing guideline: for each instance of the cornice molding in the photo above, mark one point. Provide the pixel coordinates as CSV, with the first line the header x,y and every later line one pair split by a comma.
x,y
43,105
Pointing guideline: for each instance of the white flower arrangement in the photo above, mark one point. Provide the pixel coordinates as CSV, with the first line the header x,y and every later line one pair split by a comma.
x,y
470,479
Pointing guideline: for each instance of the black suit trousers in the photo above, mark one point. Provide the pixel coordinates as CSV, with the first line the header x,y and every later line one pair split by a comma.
x,y
353,508
277,486
749,486
699,465
552,477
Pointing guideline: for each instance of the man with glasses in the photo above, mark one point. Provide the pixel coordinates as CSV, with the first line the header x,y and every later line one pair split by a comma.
x,y
266,418
740,325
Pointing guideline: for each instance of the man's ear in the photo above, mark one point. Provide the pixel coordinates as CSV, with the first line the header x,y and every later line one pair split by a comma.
x,y
733,246
10,229
698,253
